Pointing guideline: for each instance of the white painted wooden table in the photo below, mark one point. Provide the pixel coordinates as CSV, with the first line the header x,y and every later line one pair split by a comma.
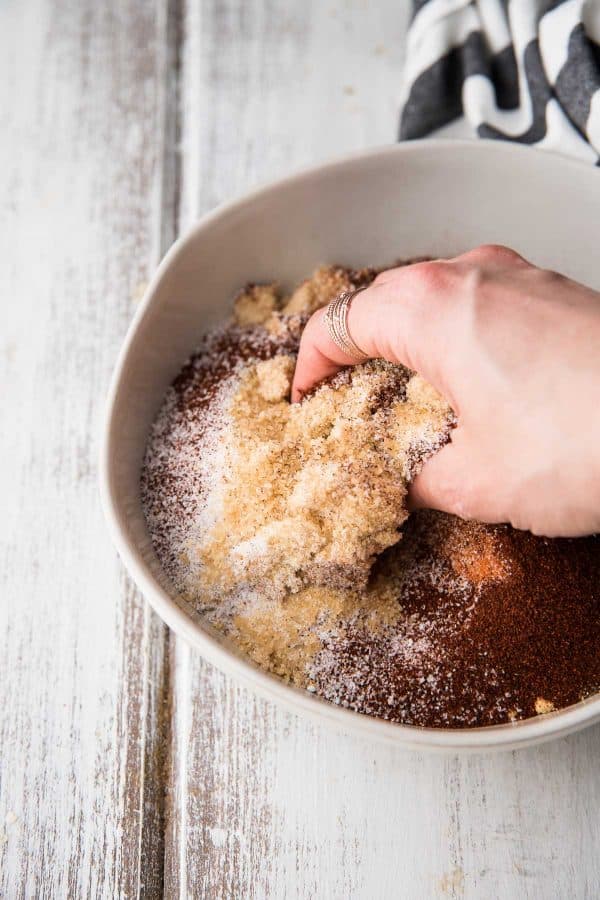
x,y
129,767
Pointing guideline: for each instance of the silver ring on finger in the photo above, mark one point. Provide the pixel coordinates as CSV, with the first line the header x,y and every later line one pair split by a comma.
x,y
336,322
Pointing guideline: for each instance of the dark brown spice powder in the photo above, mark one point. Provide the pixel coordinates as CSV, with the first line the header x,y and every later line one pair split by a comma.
x,y
493,647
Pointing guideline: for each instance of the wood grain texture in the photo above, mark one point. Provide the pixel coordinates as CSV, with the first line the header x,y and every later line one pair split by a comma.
x,y
262,803
278,807
84,208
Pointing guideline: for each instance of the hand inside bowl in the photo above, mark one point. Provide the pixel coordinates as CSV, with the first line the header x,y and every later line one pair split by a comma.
x,y
514,350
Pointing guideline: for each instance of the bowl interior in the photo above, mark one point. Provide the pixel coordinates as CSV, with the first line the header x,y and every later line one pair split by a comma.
x,y
428,198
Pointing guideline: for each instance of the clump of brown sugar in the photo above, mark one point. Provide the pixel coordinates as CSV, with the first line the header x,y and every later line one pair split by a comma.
x,y
325,284
256,303
311,493
265,304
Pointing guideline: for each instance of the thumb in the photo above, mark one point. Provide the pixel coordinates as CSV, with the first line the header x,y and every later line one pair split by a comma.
x,y
400,317
443,482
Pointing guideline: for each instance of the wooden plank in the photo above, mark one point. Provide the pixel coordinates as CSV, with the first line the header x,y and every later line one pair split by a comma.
x,y
262,803
86,204
272,806
271,87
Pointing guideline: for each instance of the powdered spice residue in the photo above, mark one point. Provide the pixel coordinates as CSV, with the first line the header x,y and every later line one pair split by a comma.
x,y
458,624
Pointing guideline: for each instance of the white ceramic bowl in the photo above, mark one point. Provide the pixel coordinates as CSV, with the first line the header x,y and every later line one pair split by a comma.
x,y
422,198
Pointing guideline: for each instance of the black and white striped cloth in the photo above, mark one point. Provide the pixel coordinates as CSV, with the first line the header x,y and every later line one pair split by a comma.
x,y
520,70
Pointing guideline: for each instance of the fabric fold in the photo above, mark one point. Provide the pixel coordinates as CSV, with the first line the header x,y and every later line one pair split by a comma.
x,y
518,70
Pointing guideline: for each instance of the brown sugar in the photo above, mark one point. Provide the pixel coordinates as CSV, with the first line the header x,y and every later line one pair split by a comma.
x,y
256,303
325,283
311,493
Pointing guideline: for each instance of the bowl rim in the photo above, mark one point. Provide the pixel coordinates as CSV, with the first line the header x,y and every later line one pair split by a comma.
x,y
184,622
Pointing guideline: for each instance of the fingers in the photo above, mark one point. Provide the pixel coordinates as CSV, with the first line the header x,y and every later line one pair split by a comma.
x,y
396,318
441,484
409,315
420,315
318,357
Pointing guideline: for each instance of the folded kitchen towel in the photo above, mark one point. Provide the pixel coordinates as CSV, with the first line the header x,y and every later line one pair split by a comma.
x,y
519,70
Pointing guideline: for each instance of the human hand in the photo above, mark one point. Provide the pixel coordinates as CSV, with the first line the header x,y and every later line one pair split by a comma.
x,y
516,351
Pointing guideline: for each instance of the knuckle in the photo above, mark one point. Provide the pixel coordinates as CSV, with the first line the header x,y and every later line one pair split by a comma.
x,y
433,274
383,277
497,253
388,276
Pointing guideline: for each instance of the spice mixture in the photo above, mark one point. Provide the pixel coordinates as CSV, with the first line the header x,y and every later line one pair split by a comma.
x,y
286,526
